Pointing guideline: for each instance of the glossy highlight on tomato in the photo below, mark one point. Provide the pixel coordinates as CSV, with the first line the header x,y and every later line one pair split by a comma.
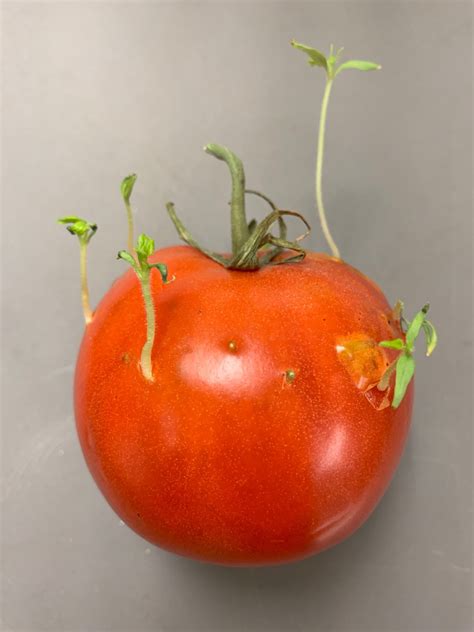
x,y
262,438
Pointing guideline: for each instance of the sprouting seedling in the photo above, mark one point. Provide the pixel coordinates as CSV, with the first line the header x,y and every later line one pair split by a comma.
x,y
126,189
404,364
333,68
84,231
145,247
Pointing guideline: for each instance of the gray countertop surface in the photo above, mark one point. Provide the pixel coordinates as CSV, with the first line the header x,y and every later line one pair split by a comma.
x,y
93,91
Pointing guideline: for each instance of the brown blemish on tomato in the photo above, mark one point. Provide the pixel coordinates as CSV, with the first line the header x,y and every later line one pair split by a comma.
x,y
125,358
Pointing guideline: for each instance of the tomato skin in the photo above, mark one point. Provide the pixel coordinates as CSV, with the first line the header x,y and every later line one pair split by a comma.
x,y
253,445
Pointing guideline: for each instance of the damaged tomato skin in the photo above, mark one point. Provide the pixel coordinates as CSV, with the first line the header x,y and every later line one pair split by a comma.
x,y
252,445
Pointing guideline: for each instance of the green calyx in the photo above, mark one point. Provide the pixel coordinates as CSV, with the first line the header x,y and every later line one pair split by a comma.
x,y
253,245
333,68
404,364
145,247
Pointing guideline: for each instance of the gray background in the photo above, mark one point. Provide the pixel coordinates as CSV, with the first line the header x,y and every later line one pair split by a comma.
x,y
93,91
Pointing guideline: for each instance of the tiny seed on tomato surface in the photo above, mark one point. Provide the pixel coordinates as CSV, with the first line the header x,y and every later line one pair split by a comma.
x,y
232,346
290,376
125,358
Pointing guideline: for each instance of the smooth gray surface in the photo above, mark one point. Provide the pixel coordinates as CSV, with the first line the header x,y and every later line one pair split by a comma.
x,y
92,91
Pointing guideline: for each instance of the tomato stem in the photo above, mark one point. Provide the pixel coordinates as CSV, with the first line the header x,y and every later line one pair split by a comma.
x,y
239,226
319,170
253,245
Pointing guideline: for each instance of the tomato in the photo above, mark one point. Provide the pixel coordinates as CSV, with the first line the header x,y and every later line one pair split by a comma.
x,y
263,437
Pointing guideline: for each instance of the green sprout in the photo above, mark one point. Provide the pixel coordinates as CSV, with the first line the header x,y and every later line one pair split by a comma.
x,y
126,189
145,247
333,68
404,364
84,231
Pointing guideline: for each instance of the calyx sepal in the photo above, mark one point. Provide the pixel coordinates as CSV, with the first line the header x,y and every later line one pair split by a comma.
x,y
253,245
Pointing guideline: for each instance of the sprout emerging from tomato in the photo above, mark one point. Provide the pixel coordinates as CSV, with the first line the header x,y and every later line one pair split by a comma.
x,y
145,248
254,411
84,231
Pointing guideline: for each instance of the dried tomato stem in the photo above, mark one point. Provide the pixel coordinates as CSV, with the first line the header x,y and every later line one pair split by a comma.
x,y
253,245
239,226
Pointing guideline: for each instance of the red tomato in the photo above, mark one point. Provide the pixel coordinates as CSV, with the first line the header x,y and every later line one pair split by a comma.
x,y
263,438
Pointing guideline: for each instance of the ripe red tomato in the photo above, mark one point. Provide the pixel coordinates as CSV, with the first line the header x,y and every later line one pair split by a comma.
x,y
263,438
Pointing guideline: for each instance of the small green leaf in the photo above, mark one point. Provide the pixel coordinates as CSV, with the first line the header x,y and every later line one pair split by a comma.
x,y
431,337
126,256
80,227
145,245
357,64
127,185
405,363
415,326
397,343
69,219
405,369
316,58
162,269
